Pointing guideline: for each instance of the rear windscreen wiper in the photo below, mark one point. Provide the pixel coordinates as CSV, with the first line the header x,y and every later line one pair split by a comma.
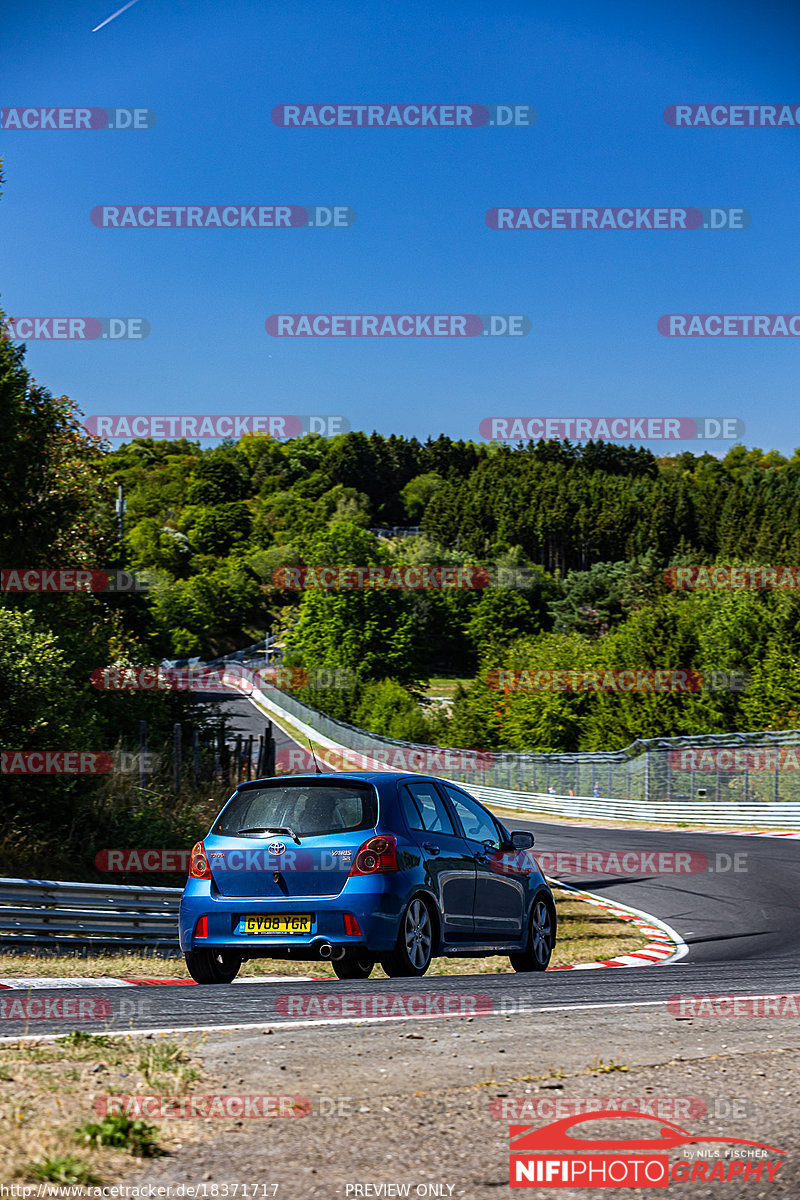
x,y
271,829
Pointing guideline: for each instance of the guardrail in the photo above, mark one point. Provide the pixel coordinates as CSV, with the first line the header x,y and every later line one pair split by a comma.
x,y
731,813
694,812
50,914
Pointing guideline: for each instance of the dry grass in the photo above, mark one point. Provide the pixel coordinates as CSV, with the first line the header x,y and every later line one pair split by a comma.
x,y
49,1089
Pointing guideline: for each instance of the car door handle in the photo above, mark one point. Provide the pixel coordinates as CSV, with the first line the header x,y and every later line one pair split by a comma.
x,y
430,846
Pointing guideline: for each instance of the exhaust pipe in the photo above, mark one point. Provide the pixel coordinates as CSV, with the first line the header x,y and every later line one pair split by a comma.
x,y
326,950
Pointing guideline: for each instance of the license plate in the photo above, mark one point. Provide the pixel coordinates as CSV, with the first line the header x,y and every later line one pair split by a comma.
x,y
276,924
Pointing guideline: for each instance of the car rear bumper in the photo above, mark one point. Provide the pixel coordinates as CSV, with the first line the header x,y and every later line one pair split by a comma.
x,y
377,912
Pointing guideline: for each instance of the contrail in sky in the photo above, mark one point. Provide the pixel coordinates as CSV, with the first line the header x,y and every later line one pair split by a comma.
x,y
116,14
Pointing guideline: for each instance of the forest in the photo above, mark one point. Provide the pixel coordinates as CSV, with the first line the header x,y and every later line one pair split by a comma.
x,y
566,554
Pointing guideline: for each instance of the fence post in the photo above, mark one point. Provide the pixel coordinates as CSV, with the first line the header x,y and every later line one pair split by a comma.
x,y
177,763
143,777
250,757
269,750
224,759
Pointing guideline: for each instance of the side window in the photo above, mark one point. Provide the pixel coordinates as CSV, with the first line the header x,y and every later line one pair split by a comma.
x,y
477,824
424,808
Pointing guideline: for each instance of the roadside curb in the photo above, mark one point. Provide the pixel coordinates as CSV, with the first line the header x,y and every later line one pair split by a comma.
x,y
665,945
38,982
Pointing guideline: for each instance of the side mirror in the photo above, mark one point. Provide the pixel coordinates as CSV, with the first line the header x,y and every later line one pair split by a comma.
x,y
522,839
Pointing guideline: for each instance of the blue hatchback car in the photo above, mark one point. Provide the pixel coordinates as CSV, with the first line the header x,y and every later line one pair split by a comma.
x,y
359,868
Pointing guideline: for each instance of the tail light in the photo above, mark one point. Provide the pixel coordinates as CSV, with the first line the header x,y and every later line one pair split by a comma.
x,y
201,928
378,854
198,863
351,926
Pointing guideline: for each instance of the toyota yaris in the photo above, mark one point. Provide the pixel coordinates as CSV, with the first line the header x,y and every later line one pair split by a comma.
x,y
360,868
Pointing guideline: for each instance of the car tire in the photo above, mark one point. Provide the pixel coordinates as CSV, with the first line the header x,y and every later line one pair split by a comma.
x,y
213,966
414,950
536,955
353,966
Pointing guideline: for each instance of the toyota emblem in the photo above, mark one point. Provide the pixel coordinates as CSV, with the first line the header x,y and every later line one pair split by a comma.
x,y
276,847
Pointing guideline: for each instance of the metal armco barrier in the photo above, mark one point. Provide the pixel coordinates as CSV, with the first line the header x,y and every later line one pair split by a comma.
x,y
649,784
738,775
698,812
47,914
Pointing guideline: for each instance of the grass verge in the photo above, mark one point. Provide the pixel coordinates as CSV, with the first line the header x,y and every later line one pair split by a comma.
x,y
51,1131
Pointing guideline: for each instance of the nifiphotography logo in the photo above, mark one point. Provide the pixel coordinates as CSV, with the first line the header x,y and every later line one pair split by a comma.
x,y
552,1156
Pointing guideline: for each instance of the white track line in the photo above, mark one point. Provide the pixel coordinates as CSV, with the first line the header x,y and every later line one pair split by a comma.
x,y
523,1009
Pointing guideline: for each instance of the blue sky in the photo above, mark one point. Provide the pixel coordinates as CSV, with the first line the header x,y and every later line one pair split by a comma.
x,y
599,77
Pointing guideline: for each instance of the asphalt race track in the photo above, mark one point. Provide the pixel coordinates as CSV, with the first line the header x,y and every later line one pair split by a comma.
x,y
737,915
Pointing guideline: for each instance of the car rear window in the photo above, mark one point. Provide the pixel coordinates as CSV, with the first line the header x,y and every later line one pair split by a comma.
x,y
305,808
